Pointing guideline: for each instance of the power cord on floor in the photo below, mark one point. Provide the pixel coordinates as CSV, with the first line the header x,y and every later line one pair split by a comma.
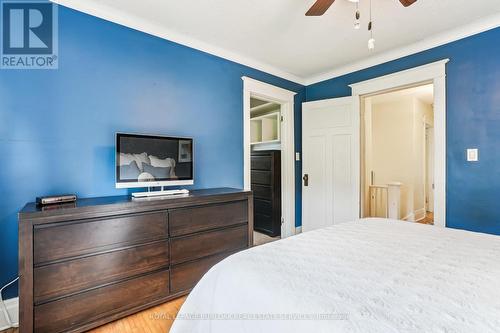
x,y
4,307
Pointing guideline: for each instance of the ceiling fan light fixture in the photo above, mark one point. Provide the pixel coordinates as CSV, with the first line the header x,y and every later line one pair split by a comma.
x,y
321,6
371,44
357,17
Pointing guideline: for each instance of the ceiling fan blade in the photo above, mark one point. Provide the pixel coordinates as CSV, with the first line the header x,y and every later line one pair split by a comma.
x,y
319,7
407,3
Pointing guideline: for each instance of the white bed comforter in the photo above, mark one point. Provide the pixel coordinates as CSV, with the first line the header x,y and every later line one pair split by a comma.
x,y
372,275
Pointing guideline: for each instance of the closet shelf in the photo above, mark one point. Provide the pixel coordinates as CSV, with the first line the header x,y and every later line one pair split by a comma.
x,y
264,142
265,129
264,107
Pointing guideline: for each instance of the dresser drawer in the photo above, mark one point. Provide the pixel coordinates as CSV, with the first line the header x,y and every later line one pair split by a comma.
x,y
89,236
263,207
189,220
185,276
93,305
261,177
208,243
262,192
71,276
264,222
261,162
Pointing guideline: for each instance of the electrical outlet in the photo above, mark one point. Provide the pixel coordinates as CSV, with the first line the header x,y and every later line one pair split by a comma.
x,y
297,156
472,155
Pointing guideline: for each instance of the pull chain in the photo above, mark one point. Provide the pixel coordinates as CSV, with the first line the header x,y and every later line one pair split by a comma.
x,y
371,41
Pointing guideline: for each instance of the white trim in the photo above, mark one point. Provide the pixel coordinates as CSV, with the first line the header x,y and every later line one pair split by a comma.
x,y
116,16
120,17
415,216
254,88
12,306
446,37
410,217
403,78
433,73
419,214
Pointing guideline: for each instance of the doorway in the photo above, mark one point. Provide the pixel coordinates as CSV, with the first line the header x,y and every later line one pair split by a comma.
x,y
397,154
269,158
341,118
265,168
429,175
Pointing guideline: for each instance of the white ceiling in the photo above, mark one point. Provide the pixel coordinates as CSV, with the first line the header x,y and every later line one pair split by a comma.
x,y
276,36
424,93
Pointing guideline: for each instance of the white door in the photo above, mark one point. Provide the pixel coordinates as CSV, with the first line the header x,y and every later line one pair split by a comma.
x,y
330,162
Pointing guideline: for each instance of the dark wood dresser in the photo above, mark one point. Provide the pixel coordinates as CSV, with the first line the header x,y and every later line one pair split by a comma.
x,y
266,186
85,264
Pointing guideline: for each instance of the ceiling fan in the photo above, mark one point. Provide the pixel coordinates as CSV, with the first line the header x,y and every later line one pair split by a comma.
x,y
321,6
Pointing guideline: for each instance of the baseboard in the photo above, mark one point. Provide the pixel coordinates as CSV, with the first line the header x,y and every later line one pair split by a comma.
x,y
410,217
415,216
298,230
419,214
12,306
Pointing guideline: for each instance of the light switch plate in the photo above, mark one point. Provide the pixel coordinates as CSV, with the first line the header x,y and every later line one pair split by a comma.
x,y
472,155
297,156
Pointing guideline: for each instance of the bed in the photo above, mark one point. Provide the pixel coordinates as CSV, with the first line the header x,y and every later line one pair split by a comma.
x,y
370,275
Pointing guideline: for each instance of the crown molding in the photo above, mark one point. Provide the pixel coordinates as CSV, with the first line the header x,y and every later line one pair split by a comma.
x,y
449,36
119,17
93,8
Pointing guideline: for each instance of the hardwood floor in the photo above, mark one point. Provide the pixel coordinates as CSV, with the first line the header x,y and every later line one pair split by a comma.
x,y
428,219
155,320
259,238
10,330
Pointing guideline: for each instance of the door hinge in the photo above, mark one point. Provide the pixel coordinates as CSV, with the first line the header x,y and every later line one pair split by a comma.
x,y
282,220
282,119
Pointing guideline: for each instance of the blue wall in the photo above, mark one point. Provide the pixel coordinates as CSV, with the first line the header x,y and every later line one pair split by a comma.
x,y
57,126
473,120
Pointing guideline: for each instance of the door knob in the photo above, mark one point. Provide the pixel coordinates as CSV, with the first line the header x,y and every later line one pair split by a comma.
x,y
306,179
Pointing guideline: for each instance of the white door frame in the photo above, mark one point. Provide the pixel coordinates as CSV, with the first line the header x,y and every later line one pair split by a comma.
x,y
254,88
434,73
429,137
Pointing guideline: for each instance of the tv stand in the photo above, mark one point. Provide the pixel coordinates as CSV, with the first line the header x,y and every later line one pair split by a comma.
x,y
161,193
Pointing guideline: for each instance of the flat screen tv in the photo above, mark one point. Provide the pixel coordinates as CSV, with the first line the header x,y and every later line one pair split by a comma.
x,y
151,160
